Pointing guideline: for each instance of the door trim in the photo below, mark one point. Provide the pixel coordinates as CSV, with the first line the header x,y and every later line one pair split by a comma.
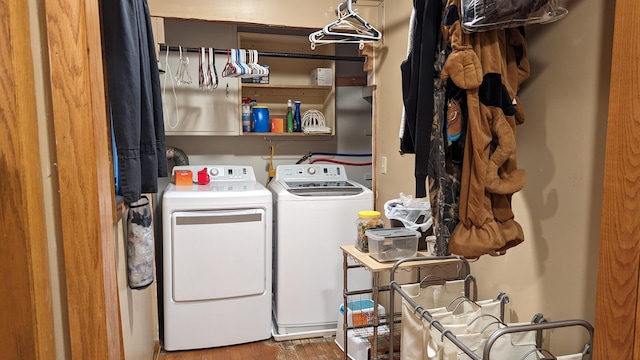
x,y
85,178
617,306
26,304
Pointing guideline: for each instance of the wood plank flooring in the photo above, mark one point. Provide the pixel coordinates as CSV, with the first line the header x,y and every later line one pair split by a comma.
x,y
323,348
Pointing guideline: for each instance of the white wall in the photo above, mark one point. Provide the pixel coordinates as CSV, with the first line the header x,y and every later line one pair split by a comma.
x,y
561,148
138,308
291,13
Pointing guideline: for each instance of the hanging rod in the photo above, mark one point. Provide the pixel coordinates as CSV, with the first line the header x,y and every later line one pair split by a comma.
x,y
164,47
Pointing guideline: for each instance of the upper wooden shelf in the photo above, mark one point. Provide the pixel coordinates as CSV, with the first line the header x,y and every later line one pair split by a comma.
x,y
286,87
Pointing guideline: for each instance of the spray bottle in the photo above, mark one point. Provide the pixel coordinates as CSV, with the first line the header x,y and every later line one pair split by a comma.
x,y
289,116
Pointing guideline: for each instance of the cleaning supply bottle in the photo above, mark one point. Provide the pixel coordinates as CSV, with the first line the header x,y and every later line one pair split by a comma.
x,y
289,116
297,121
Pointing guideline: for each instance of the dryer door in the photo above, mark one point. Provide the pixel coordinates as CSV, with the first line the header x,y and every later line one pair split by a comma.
x,y
218,254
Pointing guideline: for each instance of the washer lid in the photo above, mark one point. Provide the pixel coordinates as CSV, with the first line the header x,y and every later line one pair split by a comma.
x,y
322,188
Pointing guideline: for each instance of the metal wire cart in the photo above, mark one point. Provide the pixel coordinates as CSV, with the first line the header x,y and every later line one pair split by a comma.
x,y
466,328
440,317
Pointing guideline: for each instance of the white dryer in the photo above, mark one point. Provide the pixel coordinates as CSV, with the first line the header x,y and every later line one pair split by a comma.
x,y
217,260
315,212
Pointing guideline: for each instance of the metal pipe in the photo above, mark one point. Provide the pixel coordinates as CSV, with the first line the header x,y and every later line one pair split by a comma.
x,y
535,327
164,47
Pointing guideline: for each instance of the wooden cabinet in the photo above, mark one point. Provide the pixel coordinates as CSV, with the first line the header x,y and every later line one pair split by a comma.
x,y
290,77
189,110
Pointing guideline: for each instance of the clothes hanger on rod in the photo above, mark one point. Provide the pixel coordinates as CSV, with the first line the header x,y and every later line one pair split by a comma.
x,y
349,28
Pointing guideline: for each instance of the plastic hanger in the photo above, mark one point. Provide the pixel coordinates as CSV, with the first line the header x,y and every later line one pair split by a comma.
x,y
358,30
352,20
203,69
213,73
262,70
231,69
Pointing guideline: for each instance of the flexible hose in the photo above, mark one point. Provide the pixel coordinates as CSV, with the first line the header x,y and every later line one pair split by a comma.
x,y
310,154
340,162
337,154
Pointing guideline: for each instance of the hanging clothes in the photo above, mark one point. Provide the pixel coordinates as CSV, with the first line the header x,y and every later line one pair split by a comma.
x,y
134,96
417,88
490,66
443,159
443,180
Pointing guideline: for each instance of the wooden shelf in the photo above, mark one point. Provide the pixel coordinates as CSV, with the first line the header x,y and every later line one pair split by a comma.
x,y
289,79
288,134
268,93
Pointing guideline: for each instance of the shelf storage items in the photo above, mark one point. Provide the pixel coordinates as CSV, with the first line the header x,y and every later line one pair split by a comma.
x,y
290,76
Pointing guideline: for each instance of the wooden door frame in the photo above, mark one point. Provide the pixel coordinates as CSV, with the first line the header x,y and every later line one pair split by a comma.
x,y
74,97
85,177
25,304
617,320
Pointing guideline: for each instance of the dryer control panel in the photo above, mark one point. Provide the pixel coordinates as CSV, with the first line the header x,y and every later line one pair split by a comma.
x,y
220,172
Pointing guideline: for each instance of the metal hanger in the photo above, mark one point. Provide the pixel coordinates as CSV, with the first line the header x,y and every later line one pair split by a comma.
x,y
182,74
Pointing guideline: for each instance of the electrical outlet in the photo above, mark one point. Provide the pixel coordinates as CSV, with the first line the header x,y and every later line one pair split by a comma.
x,y
383,165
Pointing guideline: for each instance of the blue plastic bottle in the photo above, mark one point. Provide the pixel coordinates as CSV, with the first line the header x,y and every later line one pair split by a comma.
x,y
297,121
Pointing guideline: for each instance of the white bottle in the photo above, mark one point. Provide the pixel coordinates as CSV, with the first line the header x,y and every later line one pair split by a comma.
x,y
246,116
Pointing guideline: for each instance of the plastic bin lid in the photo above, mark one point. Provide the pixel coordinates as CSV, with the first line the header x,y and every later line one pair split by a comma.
x,y
357,305
377,234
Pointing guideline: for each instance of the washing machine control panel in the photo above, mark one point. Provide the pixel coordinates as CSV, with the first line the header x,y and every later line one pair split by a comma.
x,y
302,172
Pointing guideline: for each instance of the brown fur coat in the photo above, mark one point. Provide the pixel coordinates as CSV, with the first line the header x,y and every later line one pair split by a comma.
x,y
490,65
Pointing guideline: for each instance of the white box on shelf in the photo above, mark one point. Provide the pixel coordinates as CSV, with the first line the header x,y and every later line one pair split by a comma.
x,y
322,77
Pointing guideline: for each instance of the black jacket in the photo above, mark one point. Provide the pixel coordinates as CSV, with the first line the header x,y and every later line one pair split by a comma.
x,y
134,96
417,87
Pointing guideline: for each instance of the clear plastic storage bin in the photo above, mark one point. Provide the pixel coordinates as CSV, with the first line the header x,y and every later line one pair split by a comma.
x,y
392,244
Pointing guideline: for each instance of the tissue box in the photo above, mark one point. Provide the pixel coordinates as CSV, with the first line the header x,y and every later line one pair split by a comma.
x,y
392,244
322,77
184,177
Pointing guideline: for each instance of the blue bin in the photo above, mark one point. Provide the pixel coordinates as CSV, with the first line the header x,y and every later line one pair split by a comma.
x,y
260,121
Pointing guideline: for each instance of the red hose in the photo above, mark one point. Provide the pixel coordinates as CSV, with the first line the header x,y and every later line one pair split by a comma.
x,y
340,162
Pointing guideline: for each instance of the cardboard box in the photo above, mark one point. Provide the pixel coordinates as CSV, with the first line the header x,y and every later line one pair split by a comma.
x,y
322,77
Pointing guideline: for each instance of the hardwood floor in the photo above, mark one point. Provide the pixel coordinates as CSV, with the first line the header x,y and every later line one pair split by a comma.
x,y
323,348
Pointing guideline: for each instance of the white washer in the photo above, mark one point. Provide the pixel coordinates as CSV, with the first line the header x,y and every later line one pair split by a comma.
x,y
217,257
315,211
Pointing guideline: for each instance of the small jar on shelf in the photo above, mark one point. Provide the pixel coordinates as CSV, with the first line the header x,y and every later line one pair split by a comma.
x,y
367,219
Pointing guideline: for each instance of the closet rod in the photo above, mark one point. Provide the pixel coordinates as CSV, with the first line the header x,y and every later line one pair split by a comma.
x,y
164,47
